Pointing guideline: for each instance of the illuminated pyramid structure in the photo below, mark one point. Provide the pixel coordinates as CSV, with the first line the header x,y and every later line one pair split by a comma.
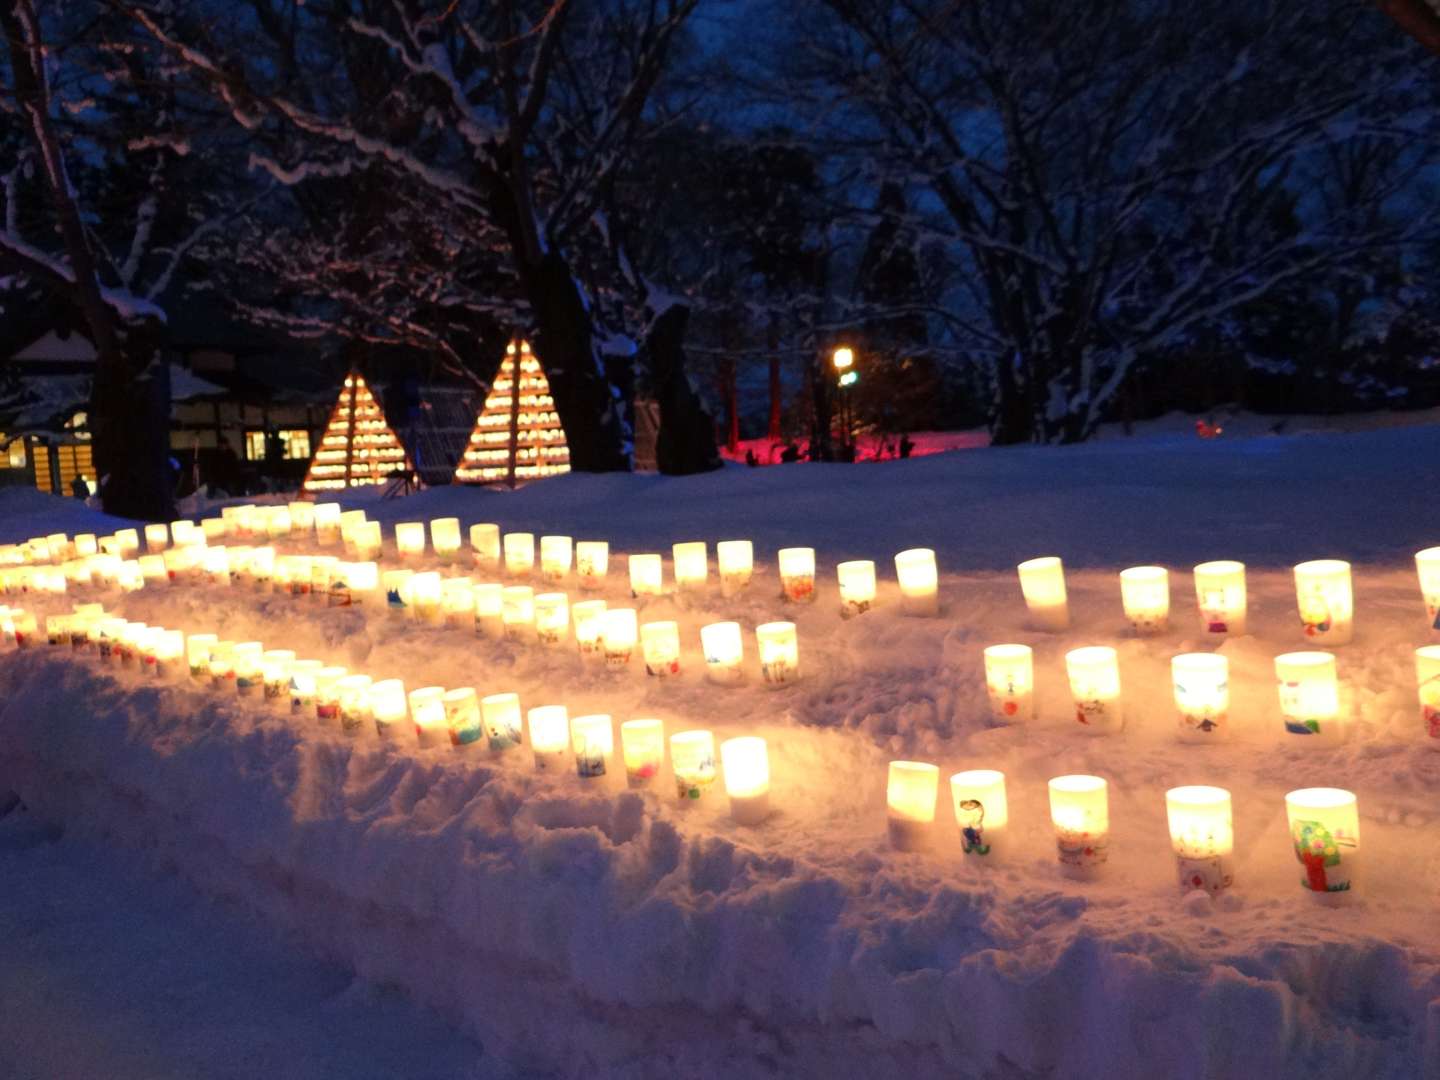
x,y
358,447
518,434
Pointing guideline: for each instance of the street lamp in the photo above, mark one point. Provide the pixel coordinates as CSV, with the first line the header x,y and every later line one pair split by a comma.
x,y
844,361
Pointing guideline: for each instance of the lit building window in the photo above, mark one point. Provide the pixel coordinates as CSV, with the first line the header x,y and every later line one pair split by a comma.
x,y
296,444
254,446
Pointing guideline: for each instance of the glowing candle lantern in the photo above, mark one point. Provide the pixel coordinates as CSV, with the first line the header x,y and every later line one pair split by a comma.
x,y
222,661
1094,674
128,542
643,743
1202,695
246,520
303,675
735,560
1220,593
424,602
1010,683
589,619
350,523
910,794
410,540
387,707
24,624
485,546
857,587
549,736
489,600
83,624
692,566
326,517
216,564
362,583
724,651
152,569
919,581
1203,836
779,650
692,760
302,516
1080,813
1427,677
1309,694
77,571
552,618
647,575
275,675
397,591
592,561
427,709
197,655
1427,568
1042,581
169,650
500,713
517,611
457,596
277,522
214,529
747,778
1327,605
660,644
1145,594
556,554
146,653
592,738
462,715
355,713
157,537
445,537
982,812
57,629
797,574
519,554
246,660
58,545
107,635
1325,833
182,532
618,635
86,544
327,693
239,560
262,566
323,571
367,542
298,575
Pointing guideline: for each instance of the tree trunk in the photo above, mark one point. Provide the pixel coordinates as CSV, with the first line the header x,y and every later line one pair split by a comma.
x,y
1012,419
777,403
732,405
685,443
821,448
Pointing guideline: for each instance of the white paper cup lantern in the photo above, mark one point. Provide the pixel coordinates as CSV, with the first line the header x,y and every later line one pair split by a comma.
x,y
326,517
214,529
128,542
368,542
396,584
724,650
216,564
262,566
556,554
500,714
910,793
660,643
462,715
355,711
485,546
410,540
350,522
277,523
275,675
60,547
589,619
552,618
108,632
169,651
302,686
1427,678
549,736
197,655
327,693
692,760
362,581
86,544
779,649
735,560
1202,695
692,566
1427,568
519,554
919,581
643,744
1327,605
445,537
982,812
1094,674
1145,594
1010,683
857,587
1221,595
1203,836
1080,813
387,707
302,516
425,599
619,633
1309,694
489,600
24,625
517,611
427,709
157,538
1325,835
592,561
1042,582
746,764
593,741
647,575
457,597
248,680
797,574
222,658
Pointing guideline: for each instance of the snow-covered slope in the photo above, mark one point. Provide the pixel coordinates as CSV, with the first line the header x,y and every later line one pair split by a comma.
x,y
575,926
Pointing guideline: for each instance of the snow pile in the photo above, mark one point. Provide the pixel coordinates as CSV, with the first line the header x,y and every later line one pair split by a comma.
x,y
580,927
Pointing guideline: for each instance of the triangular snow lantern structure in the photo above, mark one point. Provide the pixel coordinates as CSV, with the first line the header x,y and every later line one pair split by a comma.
x,y
518,434
358,447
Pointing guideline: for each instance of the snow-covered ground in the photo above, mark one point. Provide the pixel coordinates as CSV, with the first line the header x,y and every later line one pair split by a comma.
x,y
576,927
